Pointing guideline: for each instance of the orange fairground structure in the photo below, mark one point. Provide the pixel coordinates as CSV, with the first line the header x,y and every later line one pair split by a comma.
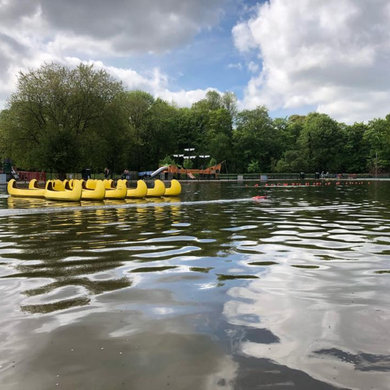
x,y
210,172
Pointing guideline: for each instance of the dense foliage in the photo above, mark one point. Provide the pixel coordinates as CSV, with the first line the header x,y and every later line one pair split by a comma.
x,y
63,120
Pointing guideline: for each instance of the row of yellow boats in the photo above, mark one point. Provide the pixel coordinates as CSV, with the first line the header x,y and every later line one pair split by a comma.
x,y
76,190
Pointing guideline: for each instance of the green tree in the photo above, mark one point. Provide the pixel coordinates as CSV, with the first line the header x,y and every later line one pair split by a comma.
x,y
200,117
208,126
212,162
60,151
167,160
219,134
114,138
292,159
321,142
292,130
253,167
187,164
54,110
356,149
214,100
138,104
186,130
377,138
229,103
158,133
4,136
256,139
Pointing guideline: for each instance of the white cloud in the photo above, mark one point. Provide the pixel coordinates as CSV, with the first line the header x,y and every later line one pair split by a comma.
x,y
237,66
243,38
124,25
155,82
333,54
99,31
253,67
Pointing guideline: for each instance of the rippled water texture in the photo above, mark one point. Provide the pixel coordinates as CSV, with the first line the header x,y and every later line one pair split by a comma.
x,y
194,293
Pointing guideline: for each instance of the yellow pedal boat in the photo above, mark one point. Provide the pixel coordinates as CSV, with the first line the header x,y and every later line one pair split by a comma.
x,y
90,184
119,192
94,191
68,194
31,192
139,192
174,189
157,190
108,184
59,185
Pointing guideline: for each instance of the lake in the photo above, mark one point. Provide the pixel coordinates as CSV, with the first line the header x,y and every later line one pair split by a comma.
x,y
212,290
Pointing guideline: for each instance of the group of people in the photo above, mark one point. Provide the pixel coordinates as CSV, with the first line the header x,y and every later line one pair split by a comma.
x,y
108,174
317,175
321,175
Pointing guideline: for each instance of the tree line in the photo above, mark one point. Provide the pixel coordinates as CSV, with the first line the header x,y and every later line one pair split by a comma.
x,y
64,119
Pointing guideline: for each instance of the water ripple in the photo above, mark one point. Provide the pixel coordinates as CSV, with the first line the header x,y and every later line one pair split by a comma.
x,y
247,274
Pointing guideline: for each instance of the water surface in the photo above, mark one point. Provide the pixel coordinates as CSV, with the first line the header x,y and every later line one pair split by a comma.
x,y
198,293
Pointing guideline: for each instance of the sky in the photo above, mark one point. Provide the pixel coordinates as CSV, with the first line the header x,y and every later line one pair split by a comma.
x,y
294,57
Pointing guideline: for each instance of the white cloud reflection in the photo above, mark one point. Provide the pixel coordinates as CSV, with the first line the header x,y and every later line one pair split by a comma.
x,y
310,310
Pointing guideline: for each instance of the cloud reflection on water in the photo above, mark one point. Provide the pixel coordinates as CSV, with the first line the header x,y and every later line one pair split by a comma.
x,y
309,311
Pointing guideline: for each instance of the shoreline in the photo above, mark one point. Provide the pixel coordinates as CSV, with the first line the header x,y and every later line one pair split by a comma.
x,y
281,180
289,180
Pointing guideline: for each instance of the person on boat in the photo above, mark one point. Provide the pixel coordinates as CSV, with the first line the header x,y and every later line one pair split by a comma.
x,y
106,173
